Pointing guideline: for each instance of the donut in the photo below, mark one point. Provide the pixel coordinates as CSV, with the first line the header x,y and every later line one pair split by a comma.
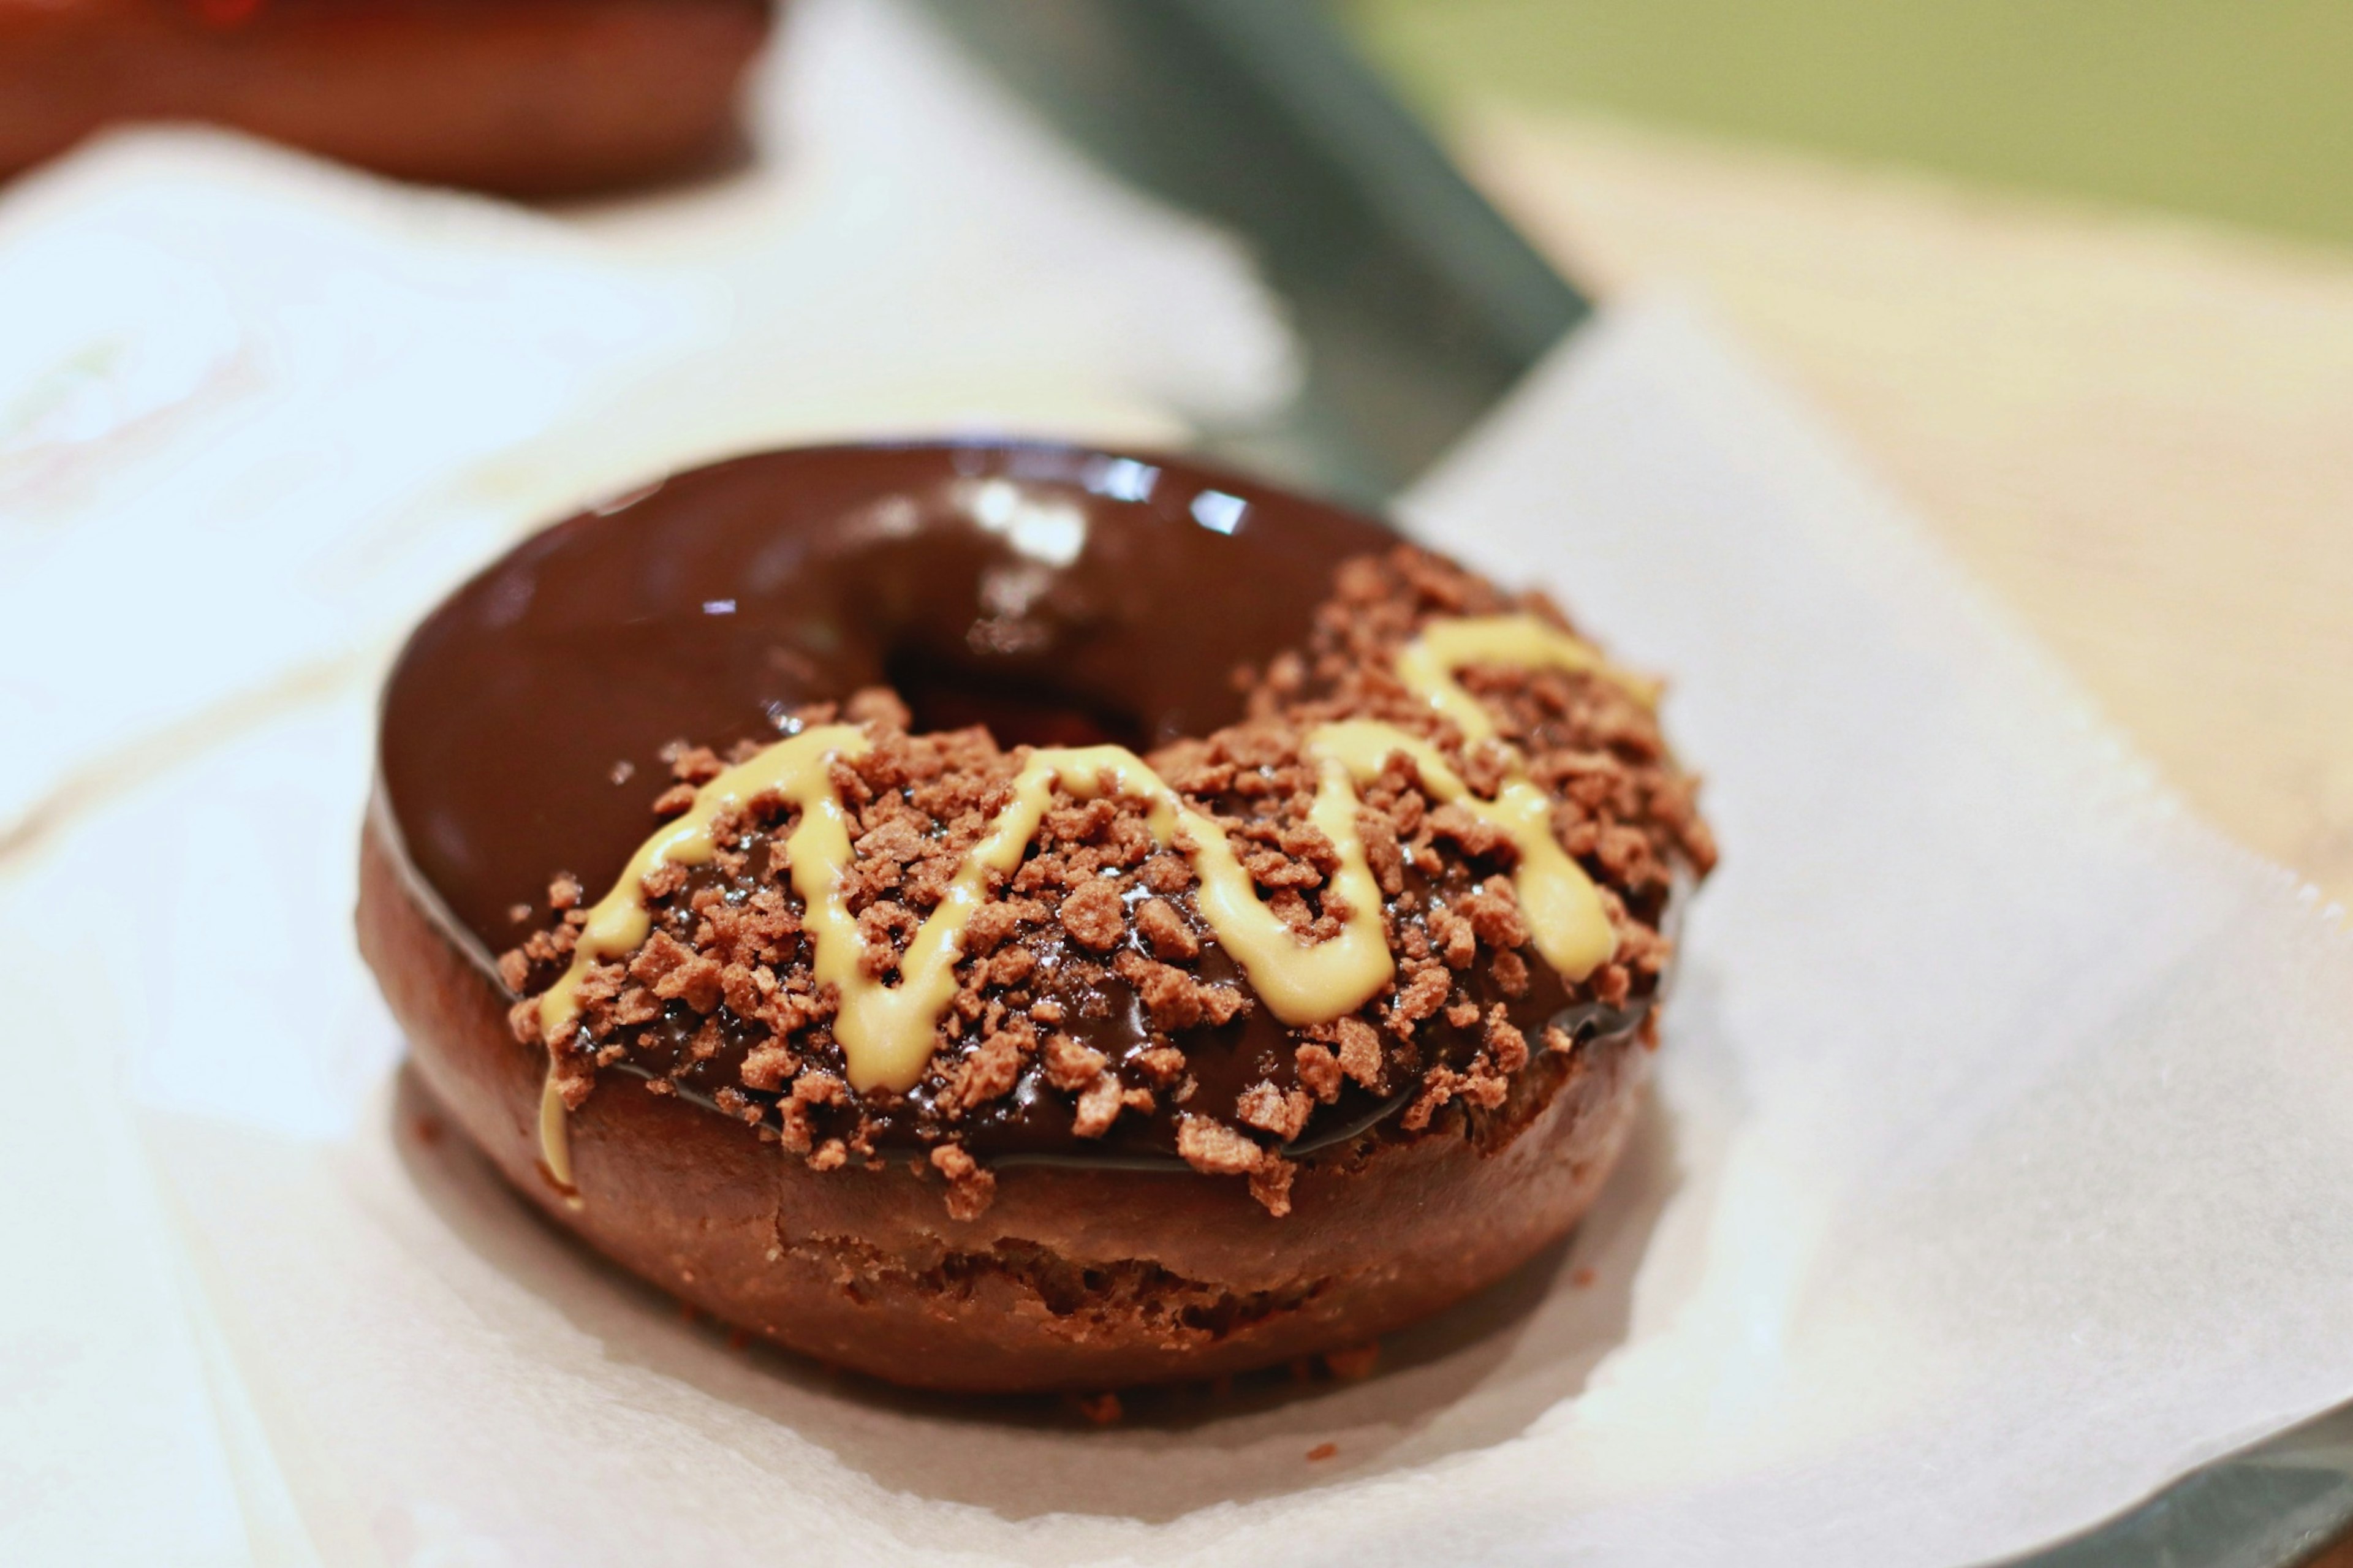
x,y
1017,918
526,97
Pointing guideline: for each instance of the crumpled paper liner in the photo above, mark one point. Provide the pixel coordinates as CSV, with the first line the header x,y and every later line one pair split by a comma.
x,y
1995,1173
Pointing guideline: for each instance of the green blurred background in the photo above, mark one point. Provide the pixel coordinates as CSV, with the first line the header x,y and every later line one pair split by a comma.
x,y
2238,109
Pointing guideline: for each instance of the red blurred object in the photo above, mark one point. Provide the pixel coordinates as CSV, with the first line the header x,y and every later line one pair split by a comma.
x,y
526,97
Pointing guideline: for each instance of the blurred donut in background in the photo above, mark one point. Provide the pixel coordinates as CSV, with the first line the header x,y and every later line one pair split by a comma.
x,y
520,98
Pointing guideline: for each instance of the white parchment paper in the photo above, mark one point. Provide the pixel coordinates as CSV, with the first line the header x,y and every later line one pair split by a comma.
x,y
1999,1166
1997,1172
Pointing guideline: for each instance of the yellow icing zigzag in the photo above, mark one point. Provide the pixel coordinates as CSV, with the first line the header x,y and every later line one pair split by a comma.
x,y
888,1033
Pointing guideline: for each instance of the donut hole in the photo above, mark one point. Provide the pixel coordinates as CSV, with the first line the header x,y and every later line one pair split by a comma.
x,y
1018,710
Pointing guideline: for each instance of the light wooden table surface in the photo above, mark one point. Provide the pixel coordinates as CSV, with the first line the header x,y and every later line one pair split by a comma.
x,y
2138,432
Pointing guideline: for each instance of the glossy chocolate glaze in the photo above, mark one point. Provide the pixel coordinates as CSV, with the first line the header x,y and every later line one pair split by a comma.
x,y
1058,595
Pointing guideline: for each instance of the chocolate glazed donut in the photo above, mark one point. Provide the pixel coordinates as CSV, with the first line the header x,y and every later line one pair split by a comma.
x,y
1008,1236
523,98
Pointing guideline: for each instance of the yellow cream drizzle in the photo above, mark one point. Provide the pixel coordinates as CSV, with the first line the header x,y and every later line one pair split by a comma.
x,y
1428,664
1565,916
888,1033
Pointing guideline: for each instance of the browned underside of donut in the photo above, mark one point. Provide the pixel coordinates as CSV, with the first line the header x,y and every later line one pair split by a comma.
x,y
531,98
1071,1279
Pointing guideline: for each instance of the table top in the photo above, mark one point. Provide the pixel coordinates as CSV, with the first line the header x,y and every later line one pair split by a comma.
x,y
2137,431
2239,112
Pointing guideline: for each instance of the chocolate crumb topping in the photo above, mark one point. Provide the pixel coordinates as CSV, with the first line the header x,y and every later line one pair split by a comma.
x,y
1095,1014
